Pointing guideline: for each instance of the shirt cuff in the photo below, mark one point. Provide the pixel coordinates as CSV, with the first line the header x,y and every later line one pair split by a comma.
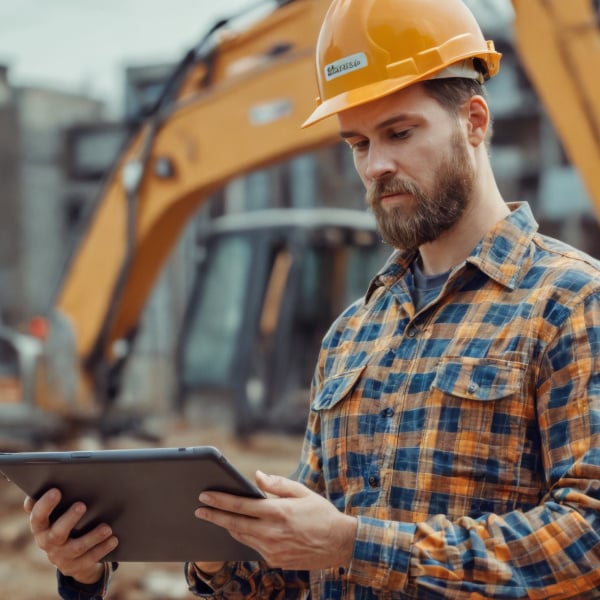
x,y
69,588
381,554
204,583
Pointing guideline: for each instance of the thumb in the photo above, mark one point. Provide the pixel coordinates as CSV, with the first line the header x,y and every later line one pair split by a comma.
x,y
28,505
280,486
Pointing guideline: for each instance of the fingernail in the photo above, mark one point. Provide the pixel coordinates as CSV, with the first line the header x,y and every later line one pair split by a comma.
x,y
265,476
205,498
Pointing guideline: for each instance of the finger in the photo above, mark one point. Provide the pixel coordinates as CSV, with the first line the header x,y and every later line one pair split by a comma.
x,y
39,517
92,546
236,524
281,486
28,505
98,552
62,527
253,507
82,555
231,503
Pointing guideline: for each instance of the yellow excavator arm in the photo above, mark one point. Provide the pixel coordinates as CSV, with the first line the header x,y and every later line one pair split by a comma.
x,y
559,46
233,106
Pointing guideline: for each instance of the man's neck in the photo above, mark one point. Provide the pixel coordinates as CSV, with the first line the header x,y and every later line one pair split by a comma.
x,y
455,245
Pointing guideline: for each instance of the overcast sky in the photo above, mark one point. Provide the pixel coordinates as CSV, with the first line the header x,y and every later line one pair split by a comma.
x,y
84,45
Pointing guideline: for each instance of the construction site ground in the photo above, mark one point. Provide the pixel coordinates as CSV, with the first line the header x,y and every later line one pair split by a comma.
x,y
25,573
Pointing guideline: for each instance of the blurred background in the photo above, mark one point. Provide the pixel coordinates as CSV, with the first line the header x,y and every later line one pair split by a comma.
x,y
242,238
173,247
84,47
216,308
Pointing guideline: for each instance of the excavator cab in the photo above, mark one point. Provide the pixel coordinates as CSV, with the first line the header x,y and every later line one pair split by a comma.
x,y
269,287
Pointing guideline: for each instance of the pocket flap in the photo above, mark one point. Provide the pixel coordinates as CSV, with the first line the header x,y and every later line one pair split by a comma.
x,y
479,378
336,388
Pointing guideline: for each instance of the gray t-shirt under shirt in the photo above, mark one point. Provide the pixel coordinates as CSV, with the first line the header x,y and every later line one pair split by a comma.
x,y
426,288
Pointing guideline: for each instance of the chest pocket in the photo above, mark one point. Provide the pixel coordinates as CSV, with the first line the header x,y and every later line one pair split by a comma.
x,y
336,388
338,404
479,379
478,409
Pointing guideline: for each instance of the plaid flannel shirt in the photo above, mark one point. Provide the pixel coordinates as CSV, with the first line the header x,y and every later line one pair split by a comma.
x,y
464,437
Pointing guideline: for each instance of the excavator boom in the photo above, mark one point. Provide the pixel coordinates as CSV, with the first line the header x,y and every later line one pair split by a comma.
x,y
559,46
239,106
236,104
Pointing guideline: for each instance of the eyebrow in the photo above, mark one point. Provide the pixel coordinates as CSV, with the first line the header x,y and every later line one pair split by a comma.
x,y
391,121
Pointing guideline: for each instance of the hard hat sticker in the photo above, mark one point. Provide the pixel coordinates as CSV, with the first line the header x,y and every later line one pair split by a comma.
x,y
346,65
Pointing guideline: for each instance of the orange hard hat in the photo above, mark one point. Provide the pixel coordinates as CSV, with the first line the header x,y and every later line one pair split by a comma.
x,y
370,48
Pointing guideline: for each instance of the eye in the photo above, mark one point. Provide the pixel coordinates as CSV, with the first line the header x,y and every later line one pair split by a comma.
x,y
358,144
402,134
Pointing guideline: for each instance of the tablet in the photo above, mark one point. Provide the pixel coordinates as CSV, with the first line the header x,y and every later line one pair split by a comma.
x,y
148,496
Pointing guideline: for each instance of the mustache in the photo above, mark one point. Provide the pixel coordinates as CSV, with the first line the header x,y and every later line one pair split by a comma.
x,y
387,187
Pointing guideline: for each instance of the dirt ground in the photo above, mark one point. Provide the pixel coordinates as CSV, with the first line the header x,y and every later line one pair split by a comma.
x,y
25,573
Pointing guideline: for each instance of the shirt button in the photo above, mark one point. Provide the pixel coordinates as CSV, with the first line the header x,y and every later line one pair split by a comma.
x,y
373,481
412,332
387,412
473,387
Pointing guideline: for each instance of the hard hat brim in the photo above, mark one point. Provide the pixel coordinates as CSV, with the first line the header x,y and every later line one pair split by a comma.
x,y
379,89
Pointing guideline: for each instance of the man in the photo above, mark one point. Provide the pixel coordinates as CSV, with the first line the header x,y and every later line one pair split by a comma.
x,y
453,443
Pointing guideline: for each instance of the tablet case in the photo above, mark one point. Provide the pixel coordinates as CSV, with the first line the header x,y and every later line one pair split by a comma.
x,y
148,496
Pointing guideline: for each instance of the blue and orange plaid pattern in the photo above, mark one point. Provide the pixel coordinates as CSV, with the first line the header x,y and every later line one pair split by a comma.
x,y
464,437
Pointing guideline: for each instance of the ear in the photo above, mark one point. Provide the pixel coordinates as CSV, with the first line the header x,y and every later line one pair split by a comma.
x,y
478,120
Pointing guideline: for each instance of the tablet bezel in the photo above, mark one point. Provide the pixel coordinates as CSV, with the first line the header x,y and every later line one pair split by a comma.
x,y
147,495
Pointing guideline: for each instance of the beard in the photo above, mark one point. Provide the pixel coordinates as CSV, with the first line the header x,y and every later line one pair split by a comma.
x,y
430,214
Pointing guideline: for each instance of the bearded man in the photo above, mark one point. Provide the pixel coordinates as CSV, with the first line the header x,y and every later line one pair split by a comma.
x,y
452,447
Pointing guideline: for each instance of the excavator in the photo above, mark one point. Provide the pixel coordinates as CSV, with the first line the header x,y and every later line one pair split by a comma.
x,y
234,104
558,44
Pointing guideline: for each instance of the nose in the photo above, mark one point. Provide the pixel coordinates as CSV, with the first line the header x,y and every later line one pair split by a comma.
x,y
379,162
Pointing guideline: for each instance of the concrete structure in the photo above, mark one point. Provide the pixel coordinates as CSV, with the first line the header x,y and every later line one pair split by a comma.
x,y
33,228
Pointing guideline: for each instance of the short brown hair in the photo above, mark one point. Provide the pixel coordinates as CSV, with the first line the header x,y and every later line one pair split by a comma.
x,y
453,92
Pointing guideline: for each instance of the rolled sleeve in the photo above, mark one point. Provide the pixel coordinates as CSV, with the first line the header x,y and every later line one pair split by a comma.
x,y
381,555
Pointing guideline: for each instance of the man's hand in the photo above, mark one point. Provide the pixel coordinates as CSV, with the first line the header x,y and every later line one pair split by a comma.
x,y
75,557
293,528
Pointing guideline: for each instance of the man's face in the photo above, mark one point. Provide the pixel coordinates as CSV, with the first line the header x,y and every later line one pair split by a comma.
x,y
415,164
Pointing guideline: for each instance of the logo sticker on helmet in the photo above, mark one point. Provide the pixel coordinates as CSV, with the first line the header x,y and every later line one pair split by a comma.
x,y
346,65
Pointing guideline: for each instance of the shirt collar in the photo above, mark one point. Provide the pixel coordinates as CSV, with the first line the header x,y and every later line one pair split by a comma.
x,y
503,251
500,254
